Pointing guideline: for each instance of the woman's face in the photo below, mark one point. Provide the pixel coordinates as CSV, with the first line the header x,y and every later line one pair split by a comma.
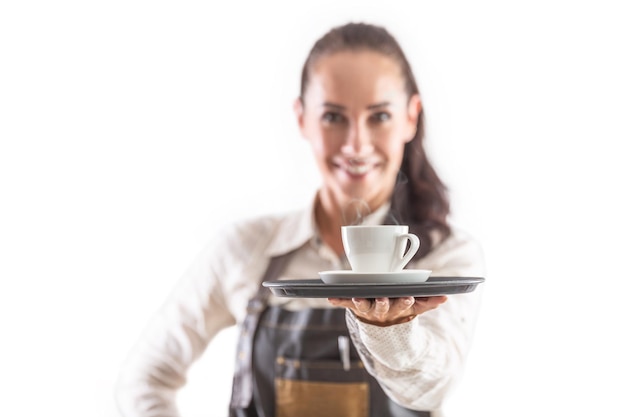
x,y
357,117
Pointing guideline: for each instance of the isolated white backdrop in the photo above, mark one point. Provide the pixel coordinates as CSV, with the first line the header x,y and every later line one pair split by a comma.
x,y
130,130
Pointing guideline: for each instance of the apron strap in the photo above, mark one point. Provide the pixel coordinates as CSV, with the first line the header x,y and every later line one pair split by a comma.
x,y
242,379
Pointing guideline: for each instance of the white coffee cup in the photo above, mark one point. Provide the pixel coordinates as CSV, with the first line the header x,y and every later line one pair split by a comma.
x,y
378,248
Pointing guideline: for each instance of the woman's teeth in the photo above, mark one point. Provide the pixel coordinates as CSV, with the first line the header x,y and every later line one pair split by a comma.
x,y
357,169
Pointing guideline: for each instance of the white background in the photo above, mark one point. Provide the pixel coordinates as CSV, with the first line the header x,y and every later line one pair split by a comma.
x,y
129,130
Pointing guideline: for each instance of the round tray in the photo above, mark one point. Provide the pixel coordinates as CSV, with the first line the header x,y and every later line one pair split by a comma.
x,y
316,288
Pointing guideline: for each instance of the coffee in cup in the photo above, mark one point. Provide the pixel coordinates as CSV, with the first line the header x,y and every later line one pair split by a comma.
x,y
378,248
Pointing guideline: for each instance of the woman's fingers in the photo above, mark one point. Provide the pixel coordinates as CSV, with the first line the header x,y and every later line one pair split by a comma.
x,y
424,304
386,311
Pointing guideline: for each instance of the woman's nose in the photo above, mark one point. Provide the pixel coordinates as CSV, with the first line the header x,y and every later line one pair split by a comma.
x,y
358,140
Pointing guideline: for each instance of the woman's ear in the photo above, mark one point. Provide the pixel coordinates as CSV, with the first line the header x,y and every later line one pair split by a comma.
x,y
413,112
298,108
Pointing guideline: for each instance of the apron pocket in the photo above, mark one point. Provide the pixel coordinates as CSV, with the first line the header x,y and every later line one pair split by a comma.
x,y
320,388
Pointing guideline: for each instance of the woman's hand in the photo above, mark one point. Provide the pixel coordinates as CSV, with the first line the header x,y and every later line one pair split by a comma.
x,y
388,311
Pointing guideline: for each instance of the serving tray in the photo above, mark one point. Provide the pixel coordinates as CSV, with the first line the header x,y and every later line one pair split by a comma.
x,y
316,288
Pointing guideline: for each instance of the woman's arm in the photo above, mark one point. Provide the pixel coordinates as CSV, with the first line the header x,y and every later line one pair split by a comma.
x,y
177,335
417,361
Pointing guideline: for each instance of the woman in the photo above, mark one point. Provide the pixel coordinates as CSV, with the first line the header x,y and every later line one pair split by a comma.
x,y
360,110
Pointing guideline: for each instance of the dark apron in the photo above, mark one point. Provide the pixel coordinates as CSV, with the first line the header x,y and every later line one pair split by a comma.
x,y
302,363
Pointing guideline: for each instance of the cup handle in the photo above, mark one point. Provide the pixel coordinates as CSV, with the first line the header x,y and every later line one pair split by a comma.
x,y
403,258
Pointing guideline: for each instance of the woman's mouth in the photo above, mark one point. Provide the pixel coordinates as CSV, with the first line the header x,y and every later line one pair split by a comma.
x,y
356,167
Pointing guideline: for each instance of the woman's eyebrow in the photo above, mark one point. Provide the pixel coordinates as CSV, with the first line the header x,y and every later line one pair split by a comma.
x,y
370,107
333,106
378,105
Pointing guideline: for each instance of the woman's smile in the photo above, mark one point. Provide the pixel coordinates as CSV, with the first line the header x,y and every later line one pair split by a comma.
x,y
356,169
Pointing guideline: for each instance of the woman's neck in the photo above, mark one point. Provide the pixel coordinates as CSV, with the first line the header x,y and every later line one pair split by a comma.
x,y
330,215
329,224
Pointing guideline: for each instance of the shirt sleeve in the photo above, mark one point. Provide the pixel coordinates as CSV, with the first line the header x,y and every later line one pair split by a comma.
x,y
416,363
178,334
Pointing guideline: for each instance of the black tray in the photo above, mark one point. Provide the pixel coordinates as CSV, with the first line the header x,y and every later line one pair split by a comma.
x,y
315,288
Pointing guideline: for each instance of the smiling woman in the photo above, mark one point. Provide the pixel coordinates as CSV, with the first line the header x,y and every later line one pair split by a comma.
x,y
131,130
360,110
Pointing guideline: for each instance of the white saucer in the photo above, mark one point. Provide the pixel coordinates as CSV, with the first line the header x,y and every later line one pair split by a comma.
x,y
351,277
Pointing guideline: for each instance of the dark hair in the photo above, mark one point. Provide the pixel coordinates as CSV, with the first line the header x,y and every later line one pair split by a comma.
x,y
420,198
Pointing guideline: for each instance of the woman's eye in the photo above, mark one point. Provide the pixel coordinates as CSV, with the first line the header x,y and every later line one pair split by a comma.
x,y
332,117
381,116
